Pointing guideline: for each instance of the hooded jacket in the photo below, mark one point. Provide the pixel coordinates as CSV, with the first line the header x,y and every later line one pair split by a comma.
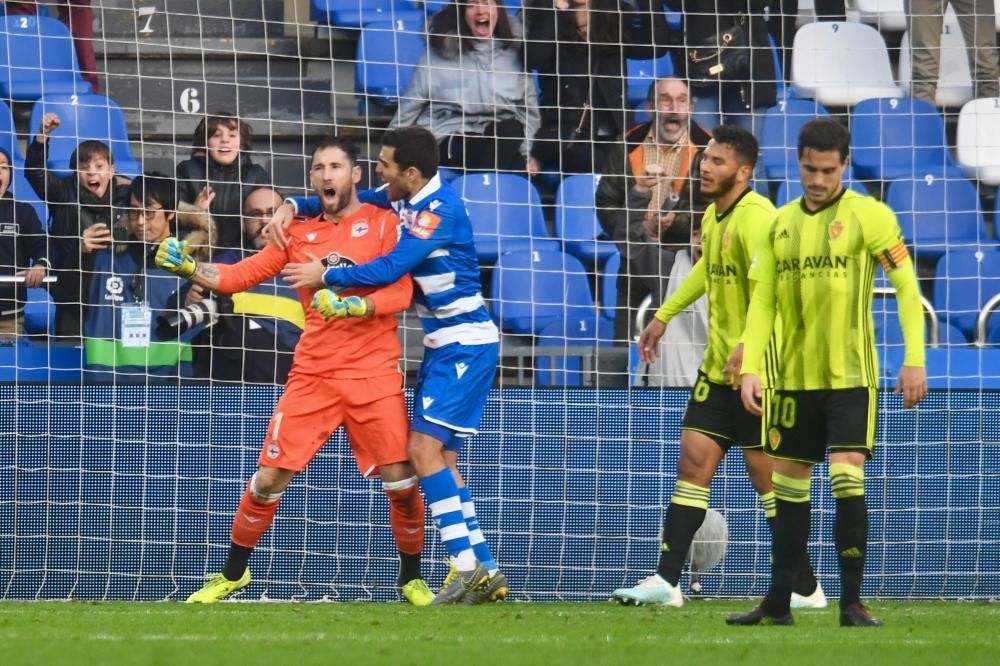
x,y
454,92
231,183
126,275
73,208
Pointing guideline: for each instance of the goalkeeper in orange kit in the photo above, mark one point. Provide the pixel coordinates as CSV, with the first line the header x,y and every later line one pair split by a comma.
x,y
345,370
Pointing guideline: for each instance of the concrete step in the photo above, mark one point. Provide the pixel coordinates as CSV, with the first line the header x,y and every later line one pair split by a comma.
x,y
190,18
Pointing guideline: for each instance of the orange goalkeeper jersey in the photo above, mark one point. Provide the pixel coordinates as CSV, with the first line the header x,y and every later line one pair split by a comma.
x,y
351,348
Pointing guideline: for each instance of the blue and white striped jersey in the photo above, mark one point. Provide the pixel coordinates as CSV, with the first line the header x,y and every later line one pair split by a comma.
x,y
436,248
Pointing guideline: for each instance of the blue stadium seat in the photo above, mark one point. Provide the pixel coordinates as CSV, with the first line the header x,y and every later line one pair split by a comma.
x,y
885,312
8,134
39,312
780,137
792,188
357,13
964,281
569,370
28,361
576,219
506,213
21,190
641,73
37,57
387,52
609,286
899,137
533,288
963,368
936,214
85,117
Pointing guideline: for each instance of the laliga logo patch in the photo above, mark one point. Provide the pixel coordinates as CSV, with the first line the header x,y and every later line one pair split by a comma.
x,y
359,229
836,228
774,438
114,286
273,451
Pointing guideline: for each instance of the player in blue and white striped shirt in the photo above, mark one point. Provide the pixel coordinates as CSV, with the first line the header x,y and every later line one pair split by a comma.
x,y
436,248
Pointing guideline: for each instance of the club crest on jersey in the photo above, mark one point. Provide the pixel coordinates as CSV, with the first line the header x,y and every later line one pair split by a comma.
x,y
425,224
273,450
725,241
836,228
774,438
337,260
359,229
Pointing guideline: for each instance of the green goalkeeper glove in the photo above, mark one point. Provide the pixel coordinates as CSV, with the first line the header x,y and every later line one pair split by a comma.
x,y
330,304
174,256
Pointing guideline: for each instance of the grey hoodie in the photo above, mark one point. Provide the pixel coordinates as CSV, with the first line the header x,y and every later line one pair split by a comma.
x,y
458,92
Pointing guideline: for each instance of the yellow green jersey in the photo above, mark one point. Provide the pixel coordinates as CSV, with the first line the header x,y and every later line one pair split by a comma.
x,y
820,270
729,241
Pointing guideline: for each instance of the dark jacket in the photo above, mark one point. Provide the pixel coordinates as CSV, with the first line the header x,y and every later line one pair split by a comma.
x,y
583,82
126,275
621,211
22,245
73,209
231,183
255,336
704,19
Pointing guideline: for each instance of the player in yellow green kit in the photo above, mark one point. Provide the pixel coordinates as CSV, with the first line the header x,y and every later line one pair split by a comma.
x,y
817,273
734,224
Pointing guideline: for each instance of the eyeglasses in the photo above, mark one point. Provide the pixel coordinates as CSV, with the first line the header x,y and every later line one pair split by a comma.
x,y
148,213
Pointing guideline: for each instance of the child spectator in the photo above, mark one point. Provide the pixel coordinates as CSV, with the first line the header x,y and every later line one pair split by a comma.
x,y
22,252
78,202
220,162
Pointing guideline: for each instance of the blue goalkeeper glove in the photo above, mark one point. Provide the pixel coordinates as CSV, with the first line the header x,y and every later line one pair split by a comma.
x,y
175,256
330,304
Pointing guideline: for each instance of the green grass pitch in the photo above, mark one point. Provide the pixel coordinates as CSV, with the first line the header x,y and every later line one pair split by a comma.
x,y
56,633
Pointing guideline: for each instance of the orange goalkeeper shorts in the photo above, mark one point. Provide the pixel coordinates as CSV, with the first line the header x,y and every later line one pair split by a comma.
x,y
373,411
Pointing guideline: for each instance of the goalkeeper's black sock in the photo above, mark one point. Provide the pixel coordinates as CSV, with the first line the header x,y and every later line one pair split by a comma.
x,y
409,568
684,516
236,563
852,543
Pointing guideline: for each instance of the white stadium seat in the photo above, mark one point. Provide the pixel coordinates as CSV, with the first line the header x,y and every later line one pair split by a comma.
x,y
954,78
840,64
978,140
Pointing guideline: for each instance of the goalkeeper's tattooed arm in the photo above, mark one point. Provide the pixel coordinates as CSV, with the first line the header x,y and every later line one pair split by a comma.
x,y
175,257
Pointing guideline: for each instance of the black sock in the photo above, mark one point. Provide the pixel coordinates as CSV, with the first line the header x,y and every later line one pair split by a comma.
x,y
788,542
805,582
852,544
237,561
409,568
679,526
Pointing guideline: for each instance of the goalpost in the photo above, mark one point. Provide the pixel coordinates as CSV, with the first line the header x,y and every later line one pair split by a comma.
x,y
126,489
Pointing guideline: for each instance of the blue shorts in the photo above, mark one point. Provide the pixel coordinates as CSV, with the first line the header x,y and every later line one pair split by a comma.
x,y
452,387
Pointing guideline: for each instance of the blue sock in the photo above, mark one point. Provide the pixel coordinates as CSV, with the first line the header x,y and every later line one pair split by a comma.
x,y
476,538
441,493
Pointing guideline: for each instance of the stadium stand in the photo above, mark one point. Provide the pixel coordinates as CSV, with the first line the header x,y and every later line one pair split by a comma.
x,y
37,58
954,87
779,138
937,214
576,220
387,52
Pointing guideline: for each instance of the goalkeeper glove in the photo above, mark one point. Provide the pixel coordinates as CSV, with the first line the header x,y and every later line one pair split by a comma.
x,y
174,256
330,304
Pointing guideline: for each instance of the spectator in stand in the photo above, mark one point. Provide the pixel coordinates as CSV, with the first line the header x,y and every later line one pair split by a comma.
x,y
646,198
471,90
86,200
737,97
79,18
579,49
129,293
220,161
22,252
257,330
977,20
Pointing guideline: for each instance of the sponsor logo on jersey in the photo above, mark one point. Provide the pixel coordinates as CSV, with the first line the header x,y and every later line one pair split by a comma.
x,y
337,260
8,229
425,224
721,270
812,263
836,228
782,235
359,229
